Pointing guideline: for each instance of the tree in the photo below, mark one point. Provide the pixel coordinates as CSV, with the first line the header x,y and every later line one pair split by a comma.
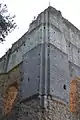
x,y
7,23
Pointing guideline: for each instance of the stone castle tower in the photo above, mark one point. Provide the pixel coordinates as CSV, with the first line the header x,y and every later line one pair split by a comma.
x,y
39,75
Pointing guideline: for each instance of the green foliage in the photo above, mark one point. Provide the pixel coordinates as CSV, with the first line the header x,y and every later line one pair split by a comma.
x,y
7,23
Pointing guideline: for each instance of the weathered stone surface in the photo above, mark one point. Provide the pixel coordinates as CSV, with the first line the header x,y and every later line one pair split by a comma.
x,y
7,80
56,110
75,95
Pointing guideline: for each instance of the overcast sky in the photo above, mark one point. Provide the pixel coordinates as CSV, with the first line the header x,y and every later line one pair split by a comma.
x,y
25,10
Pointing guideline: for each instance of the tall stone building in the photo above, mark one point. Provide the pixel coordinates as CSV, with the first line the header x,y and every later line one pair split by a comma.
x,y
39,75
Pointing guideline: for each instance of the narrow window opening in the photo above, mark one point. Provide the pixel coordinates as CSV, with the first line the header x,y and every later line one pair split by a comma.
x,y
64,87
28,79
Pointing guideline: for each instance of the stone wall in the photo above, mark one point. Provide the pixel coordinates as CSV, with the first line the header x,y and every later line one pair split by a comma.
x,y
43,62
12,78
59,74
31,73
27,42
56,110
